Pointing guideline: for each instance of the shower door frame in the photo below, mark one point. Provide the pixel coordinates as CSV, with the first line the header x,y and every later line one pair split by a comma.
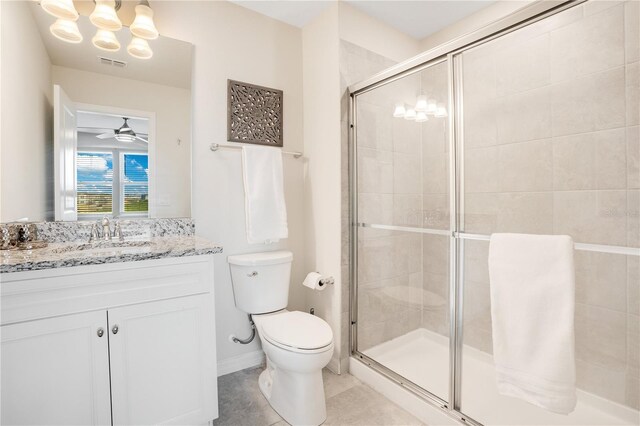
x,y
449,52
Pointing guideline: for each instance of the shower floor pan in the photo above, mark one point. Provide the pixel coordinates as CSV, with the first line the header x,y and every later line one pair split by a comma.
x,y
422,356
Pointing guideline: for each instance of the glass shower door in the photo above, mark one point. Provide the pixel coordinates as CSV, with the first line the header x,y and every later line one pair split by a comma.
x,y
403,234
550,147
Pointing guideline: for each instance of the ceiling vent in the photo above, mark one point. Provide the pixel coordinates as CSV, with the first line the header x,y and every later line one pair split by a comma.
x,y
112,62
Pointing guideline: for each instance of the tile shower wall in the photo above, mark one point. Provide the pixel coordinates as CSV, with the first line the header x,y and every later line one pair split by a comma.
x,y
551,147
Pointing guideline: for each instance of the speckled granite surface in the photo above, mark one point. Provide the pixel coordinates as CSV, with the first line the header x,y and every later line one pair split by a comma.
x,y
63,255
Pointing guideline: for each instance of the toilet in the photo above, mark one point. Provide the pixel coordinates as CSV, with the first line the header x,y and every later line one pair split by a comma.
x,y
298,345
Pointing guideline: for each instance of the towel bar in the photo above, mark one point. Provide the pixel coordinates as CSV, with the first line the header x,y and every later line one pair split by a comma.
x,y
216,146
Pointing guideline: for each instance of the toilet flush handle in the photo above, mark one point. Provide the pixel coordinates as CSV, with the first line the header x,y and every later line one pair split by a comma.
x,y
252,274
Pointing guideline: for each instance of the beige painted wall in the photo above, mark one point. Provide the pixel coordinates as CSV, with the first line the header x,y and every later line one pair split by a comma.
x,y
26,118
232,42
172,107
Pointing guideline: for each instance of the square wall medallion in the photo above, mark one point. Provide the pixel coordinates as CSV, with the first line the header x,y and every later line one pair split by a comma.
x,y
254,114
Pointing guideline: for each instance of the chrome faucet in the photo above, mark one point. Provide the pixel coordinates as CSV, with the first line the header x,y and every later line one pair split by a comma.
x,y
94,235
106,230
117,231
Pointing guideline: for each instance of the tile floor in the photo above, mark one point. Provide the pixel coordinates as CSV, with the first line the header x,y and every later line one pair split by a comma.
x,y
349,402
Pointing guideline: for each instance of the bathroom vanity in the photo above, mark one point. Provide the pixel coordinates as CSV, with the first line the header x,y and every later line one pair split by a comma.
x,y
120,334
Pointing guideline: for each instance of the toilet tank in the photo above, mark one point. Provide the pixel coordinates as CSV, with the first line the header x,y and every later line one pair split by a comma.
x,y
261,280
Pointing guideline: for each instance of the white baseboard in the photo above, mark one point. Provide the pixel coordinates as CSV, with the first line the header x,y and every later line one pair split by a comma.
x,y
240,362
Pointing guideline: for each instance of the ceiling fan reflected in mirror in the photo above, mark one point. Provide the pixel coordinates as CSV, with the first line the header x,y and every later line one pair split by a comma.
x,y
124,134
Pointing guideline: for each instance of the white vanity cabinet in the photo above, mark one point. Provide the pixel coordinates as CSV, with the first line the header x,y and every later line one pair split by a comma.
x,y
124,344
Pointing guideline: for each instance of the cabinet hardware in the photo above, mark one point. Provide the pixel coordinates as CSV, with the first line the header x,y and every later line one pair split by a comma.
x,y
100,332
115,329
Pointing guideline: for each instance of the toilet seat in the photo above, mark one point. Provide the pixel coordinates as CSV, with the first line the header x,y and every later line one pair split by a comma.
x,y
297,332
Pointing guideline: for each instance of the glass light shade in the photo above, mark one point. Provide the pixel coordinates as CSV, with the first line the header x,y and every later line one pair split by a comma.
x,y
66,30
125,138
431,106
421,117
410,114
399,111
62,9
143,25
104,16
139,48
421,104
106,40
441,111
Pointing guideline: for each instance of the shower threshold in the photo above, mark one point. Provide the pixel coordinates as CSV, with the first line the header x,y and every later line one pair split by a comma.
x,y
421,356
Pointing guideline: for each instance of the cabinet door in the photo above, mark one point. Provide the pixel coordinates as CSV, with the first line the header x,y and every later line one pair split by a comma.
x,y
163,362
56,371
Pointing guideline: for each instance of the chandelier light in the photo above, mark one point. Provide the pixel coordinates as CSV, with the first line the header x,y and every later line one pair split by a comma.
x,y
66,30
139,48
104,16
421,117
441,111
106,40
62,9
399,110
421,104
143,26
410,114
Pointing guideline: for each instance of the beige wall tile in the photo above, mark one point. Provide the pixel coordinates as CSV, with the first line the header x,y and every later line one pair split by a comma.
x,y
524,116
407,254
481,213
595,43
633,362
375,171
375,259
633,218
590,103
632,90
435,254
592,7
476,261
480,122
633,390
435,173
590,161
526,166
601,280
632,30
435,137
523,66
602,381
481,171
375,208
601,336
435,212
406,136
407,174
525,212
633,285
633,157
597,217
407,210
374,126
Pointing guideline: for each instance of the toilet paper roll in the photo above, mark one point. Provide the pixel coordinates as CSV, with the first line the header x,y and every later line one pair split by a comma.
x,y
312,281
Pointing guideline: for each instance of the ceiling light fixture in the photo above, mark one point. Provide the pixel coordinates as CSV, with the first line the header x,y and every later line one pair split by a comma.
x,y
421,117
106,40
421,103
143,26
104,15
62,9
410,114
66,30
399,110
139,48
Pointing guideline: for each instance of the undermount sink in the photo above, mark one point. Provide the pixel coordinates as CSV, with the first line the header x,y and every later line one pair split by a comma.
x,y
102,245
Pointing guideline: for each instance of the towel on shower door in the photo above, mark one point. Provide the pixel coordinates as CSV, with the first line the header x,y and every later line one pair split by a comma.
x,y
265,209
532,307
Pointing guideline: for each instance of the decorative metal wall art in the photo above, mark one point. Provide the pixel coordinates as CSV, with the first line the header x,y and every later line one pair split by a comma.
x,y
254,114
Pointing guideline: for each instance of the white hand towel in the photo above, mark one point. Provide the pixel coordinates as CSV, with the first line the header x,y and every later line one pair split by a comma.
x,y
265,209
532,307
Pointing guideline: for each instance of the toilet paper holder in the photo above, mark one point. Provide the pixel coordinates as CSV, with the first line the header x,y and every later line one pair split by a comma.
x,y
327,280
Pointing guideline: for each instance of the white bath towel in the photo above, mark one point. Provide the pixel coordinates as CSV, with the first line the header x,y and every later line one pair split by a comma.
x,y
265,209
532,307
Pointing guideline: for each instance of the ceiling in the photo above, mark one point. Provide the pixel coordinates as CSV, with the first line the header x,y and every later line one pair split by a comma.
x,y
169,66
418,18
91,122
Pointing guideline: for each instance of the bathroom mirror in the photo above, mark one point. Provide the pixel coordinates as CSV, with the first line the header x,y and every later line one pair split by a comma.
x,y
101,132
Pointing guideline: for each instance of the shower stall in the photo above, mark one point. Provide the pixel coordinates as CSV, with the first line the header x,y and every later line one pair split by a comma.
x,y
530,125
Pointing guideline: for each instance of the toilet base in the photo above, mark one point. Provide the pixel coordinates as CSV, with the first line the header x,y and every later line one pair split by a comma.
x,y
297,397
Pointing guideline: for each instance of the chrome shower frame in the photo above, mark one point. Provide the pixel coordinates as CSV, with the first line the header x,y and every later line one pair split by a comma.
x,y
449,52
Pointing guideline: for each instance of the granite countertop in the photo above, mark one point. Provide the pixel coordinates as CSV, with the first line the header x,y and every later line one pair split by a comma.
x,y
63,255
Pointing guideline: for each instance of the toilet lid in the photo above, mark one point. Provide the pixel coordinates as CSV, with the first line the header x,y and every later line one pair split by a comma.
x,y
298,330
